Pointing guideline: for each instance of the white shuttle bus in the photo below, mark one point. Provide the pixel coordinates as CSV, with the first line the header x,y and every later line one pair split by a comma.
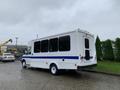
x,y
66,51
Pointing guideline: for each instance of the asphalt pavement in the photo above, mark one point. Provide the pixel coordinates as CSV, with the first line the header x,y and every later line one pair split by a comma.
x,y
13,77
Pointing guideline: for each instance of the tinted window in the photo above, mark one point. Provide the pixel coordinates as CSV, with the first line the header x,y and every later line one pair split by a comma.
x,y
37,47
44,46
53,45
87,54
64,43
86,43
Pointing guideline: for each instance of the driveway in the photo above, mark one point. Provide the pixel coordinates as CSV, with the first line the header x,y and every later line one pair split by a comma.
x,y
13,77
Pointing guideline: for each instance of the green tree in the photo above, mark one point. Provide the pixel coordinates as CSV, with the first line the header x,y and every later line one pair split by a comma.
x,y
107,50
98,49
117,49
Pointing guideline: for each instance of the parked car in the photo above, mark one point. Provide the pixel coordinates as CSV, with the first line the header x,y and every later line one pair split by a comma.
x,y
7,57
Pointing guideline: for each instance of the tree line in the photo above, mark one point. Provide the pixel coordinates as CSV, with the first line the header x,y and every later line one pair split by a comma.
x,y
108,49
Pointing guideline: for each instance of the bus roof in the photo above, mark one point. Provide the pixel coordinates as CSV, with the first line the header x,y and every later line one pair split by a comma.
x,y
55,35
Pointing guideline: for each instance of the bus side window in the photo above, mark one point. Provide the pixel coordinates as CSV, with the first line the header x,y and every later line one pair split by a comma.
x,y
53,45
64,43
44,46
37,47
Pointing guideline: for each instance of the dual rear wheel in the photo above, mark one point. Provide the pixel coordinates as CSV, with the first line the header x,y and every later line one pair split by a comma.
x,y
53,69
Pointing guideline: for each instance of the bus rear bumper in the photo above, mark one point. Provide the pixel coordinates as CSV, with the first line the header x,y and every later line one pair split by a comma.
x,y
84,67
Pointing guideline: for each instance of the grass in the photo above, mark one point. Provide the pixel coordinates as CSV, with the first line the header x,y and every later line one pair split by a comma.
x,y
108,66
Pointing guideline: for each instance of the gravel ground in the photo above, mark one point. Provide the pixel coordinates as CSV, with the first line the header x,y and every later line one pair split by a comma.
x,y
13,77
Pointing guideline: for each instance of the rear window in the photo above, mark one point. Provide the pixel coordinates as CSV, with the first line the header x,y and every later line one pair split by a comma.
x,y
86,43
7,54
87,54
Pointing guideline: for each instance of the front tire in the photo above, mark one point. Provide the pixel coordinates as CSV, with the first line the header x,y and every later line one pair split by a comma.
x,y
24,64
54,70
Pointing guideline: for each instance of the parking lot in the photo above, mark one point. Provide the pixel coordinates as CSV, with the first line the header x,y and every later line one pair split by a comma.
x,y
13,77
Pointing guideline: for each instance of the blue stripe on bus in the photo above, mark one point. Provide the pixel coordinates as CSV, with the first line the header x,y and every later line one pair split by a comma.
x,y
52,57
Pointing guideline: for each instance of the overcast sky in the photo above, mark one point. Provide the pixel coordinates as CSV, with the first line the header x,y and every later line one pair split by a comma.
x,y
27,18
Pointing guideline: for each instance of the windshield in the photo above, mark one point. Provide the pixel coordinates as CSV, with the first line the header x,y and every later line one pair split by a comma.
x,y
28,51
8,54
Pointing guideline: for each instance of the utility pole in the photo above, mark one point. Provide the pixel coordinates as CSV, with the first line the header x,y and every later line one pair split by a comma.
x,y
16,41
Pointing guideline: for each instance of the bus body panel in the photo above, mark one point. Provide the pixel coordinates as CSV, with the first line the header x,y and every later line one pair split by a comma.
x,y
65,59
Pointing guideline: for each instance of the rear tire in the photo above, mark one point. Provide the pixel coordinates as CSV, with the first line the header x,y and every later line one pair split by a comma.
x,y
54,70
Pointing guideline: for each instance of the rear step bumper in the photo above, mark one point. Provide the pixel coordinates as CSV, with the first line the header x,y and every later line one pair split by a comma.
x,y
83,67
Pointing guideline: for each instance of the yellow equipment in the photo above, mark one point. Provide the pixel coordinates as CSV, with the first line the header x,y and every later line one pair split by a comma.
x,y
3,44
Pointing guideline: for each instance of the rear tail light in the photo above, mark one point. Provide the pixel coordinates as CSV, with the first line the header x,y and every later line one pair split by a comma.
x,y
81,57
91,57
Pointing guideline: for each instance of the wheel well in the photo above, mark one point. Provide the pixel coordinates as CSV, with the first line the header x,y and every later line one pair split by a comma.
x,y
23,60
52,64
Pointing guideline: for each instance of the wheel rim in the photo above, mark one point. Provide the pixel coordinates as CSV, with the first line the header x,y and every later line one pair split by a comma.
x,y
53,69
